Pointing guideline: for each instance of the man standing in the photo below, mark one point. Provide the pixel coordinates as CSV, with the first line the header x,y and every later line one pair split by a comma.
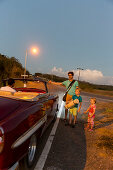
x,y
71,92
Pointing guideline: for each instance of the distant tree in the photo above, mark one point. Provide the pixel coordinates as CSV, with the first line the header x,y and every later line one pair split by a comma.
x,y
10,67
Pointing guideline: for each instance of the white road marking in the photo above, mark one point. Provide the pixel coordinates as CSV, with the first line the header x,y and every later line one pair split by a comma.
x,y
41,162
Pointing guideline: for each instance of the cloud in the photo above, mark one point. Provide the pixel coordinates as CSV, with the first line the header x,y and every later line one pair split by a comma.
x,y
92,76
58,72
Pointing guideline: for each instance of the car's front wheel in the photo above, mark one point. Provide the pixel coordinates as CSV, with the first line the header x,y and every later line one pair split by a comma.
x,y
28,161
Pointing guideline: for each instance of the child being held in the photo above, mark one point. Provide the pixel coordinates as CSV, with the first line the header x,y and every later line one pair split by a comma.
x,y
76,99
91,114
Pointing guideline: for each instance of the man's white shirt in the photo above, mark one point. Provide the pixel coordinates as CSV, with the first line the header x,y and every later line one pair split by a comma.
x,y
7,88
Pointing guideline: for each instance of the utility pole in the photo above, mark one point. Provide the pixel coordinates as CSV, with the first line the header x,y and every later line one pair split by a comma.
x,y
25,64
79,69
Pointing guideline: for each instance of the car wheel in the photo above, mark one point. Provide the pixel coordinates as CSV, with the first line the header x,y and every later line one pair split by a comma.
x,y
55,117
57,109
28,161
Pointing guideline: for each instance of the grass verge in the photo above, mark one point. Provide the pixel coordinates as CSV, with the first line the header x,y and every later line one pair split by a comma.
x,y
105,126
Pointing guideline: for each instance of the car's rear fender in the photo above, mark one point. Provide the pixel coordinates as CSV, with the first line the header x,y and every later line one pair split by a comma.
x,y
14,129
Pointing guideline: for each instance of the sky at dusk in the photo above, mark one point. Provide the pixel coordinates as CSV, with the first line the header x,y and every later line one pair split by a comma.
x,y
68,33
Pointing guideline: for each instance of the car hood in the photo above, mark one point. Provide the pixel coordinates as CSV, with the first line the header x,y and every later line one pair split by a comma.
x,y
7,106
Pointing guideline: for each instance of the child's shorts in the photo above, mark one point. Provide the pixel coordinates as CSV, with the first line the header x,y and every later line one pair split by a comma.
x,y
73,111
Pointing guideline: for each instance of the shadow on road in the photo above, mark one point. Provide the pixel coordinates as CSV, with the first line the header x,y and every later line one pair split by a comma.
x,y
68,151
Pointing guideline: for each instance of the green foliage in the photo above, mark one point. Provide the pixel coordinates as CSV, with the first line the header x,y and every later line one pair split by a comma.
x,y
10,67
85,85
51,77
109,110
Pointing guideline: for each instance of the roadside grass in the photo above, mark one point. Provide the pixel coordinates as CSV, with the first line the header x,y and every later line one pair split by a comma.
x,y
104,126
100,92
105,139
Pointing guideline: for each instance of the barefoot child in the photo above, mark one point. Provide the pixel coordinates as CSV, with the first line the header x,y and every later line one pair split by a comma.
x,y
91,114
76,99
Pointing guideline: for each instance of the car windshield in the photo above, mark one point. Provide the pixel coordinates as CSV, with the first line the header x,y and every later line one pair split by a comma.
x,y
30,84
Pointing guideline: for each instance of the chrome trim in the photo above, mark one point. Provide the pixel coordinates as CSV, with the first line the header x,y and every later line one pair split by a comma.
x,y
2,130
29,133
32,148
42,95
15,166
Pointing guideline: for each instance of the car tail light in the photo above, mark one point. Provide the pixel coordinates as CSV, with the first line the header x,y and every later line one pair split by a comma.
x,y
1,139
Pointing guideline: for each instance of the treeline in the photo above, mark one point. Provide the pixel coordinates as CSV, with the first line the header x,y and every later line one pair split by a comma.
x,y
51,77
10,67
82,84
86,85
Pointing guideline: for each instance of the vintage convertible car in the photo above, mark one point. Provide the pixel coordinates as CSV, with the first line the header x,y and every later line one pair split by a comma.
x,y
24,116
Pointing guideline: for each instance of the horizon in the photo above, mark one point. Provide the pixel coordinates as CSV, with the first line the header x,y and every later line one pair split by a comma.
x,y
69,34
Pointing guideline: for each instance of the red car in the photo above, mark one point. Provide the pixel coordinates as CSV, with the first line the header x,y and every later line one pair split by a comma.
x,y
24,115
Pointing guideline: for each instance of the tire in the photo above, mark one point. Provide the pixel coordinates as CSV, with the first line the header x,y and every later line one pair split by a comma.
x,y
28,161
55,117
57,109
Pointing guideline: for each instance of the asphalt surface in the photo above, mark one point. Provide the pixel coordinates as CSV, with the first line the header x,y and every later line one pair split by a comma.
x,y
68,150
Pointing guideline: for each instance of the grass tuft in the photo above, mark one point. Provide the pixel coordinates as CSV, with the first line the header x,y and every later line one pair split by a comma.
x,y
106,142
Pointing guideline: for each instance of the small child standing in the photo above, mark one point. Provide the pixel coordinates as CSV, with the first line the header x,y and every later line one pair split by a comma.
x,y
76,99
91,114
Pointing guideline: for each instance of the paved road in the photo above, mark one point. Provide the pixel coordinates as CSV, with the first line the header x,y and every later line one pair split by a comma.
x,y
68,149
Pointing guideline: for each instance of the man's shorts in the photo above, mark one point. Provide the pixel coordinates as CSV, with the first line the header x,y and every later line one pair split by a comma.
x,y
73,111
68,97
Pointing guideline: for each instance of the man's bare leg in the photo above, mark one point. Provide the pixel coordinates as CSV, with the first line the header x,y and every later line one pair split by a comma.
x,y
66,120
70,119
66,113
